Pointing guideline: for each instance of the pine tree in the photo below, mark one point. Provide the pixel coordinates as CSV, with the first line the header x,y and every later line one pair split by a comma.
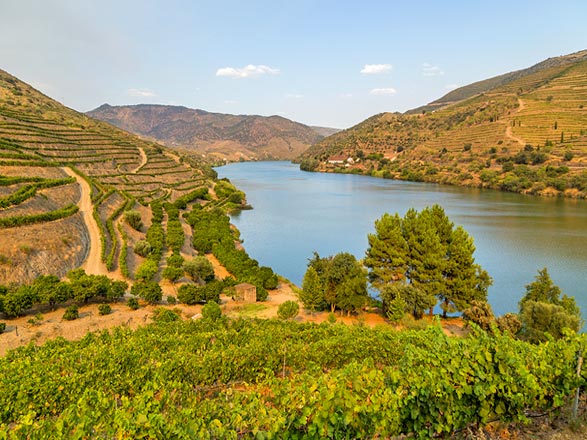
x,y
464,281
387,255
312,294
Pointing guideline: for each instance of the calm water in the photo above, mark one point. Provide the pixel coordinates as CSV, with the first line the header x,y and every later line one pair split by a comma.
x,y
296,213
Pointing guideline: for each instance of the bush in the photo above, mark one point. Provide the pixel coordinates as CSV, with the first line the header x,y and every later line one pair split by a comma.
x,y
288,310
172,273
143,248
150,291
193,294
146,270
133,219
199,268
71,313
171,300
211,311
2,327
104,309
162,314
133,303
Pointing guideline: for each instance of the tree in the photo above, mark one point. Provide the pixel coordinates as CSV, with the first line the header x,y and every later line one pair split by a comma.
x,y
387,255
465,281
211,312
133,219
344,281
18,300
312,294
172,273
424,250
50,290
150,291
542,310
199,268
288,310
143,248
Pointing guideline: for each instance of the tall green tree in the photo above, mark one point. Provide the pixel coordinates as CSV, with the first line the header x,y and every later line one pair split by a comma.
x,y
312,294
464,281
387,255
543,311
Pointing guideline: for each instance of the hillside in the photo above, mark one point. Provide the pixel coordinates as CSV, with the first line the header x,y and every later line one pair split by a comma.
x,y
65,180
524,132
218,135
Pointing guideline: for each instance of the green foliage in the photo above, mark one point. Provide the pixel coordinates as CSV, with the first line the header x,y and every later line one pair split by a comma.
x,y
288,310
133,219
199,268
211,312
172,300
147,270
396,309
48,289
161,314
133,303
193,294
212,232
343,279
21,220
2,327
175,234
309,164
426,251
383,384
172,273
312,294
175,260
71,313
150,291
543,311
104,309
143,248
18,300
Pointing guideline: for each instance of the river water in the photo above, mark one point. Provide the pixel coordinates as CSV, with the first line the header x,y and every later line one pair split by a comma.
x,y
296,213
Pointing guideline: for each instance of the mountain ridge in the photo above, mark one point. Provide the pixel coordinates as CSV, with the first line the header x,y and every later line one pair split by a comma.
x,y
526,133
219,135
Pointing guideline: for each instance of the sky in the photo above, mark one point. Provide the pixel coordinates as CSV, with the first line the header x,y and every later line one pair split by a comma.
x,y
326,63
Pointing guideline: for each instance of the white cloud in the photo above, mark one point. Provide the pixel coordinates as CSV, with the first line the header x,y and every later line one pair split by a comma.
x,y
141,93
430,70
294,96
230,101
345,95
374,69
250,71
451,86
389,91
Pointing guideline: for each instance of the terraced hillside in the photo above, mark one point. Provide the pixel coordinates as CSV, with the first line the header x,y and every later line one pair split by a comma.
x,y
526,134
61,173
222,136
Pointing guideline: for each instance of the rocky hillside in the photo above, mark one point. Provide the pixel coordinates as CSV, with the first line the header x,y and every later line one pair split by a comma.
x,y
525,131
220,135
48,155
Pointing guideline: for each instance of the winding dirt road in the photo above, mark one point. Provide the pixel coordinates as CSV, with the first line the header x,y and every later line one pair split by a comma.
x,y
93,264
143,161
508,130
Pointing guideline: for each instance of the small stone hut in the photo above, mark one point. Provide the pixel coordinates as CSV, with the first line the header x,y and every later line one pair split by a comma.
x,y
245,292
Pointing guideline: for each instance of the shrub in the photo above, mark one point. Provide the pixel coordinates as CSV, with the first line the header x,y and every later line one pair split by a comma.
x,y
133,303
211,311
288,310
143,248
161,314
171,300
150,291
199,268
2,327
104,309
71,313
133,219
146,270
172,273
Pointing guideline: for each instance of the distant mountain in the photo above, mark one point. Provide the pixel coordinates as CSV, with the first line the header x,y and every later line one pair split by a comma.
x,y
525,131
219,135
325,131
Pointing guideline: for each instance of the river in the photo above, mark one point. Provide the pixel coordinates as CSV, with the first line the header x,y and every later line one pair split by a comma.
x,y
296,213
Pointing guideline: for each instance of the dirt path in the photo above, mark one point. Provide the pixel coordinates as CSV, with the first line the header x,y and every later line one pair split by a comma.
x,y
93,264
508,130
219,270
143,161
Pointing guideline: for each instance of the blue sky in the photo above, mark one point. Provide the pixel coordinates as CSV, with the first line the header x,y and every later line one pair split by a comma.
x,y
330,63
